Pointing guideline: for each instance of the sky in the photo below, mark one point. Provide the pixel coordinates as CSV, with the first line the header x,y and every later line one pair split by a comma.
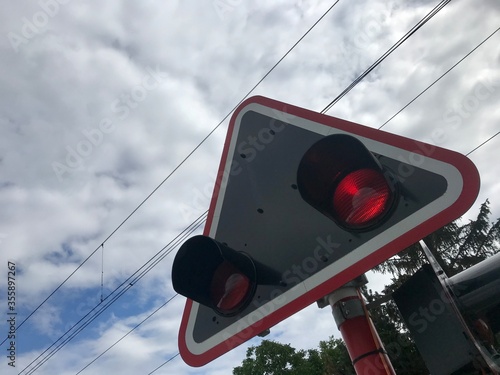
x,y
101,101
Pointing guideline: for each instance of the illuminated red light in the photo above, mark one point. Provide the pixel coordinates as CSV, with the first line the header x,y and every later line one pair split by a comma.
x,y
361,198
343,180
229,289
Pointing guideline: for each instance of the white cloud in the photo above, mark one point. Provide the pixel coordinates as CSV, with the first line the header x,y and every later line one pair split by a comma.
x,y
123,92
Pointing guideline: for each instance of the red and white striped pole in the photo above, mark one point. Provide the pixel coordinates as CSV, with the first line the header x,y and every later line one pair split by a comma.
x,y
363,343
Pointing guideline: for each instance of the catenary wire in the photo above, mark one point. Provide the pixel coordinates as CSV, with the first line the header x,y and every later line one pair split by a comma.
x,y
439,78
96,314
164,304
177,167
130,281
163,364
211,132
482,144
128,333
79,329
182,162
384,124
428,87
405,37
330,106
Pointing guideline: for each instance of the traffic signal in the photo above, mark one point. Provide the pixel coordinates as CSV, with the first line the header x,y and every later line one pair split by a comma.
x,y
219,277
344,181
454,321
303,204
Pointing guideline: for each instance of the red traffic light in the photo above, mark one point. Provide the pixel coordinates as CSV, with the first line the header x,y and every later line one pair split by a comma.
x,y
229,289
214,275
361,197
343,180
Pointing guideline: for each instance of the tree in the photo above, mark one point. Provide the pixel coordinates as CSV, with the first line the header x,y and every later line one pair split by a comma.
x,y
400,348
335,357
272,358
456,247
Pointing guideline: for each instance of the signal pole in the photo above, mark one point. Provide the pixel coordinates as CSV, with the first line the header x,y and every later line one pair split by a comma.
x,y
363,343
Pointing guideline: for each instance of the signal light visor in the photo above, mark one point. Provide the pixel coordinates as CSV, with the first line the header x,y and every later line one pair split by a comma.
x,y
342,179
214,275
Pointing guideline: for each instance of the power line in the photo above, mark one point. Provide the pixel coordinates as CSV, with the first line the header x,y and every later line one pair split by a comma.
x,y
411,32
79,329
177,167
482,144
53,292
428,87
130,281
124,286
163,364
171,250
128,333
171,358
404,38
439,78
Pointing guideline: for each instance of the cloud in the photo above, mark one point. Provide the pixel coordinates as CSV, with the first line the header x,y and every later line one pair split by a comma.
x,y
116,95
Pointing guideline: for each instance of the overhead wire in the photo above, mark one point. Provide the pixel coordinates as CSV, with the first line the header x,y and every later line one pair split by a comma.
x,y
163,364
128,333
176,168
440,77
88,318
430,15
427,88
326,109
396,45
482,144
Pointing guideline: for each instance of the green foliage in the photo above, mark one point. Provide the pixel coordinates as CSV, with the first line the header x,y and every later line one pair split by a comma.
x,y
456,247
402,351
335,357
272,358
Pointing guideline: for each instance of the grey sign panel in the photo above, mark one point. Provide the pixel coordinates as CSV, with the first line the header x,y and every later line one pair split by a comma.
x,y
264,215
302,255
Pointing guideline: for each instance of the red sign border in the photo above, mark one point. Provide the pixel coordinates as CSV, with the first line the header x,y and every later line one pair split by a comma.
x,y
459,207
